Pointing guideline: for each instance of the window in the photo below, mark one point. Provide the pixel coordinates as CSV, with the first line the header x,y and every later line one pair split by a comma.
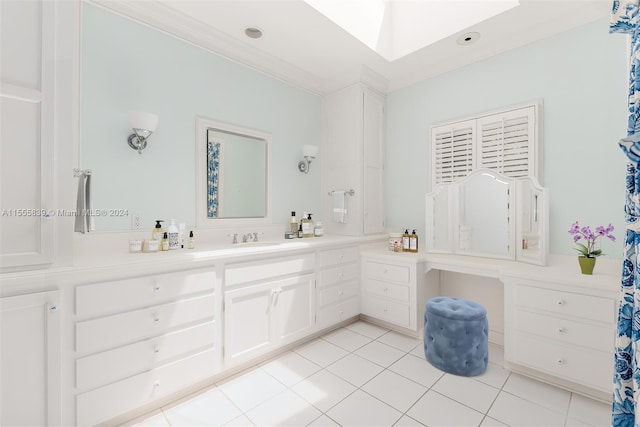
x,y
505,142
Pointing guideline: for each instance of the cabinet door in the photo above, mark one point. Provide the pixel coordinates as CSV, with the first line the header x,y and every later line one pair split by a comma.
x,y
30,360
294,303
247,322
27,132
373,173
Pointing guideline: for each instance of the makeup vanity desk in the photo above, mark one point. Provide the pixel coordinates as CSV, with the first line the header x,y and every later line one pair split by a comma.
x,y
559,325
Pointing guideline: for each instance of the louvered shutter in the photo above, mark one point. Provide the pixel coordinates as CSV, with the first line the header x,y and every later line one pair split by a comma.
x,y
452,151
506,142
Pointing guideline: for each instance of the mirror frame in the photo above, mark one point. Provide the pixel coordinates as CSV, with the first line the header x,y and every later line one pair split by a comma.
x,y
202,219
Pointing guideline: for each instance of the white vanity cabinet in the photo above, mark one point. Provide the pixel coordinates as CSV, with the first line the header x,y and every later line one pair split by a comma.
x,y
267,304
338,293
30,385
564,331
394,289
141,339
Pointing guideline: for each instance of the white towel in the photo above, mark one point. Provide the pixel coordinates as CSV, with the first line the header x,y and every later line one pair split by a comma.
x,y
91,224
339,199
84,206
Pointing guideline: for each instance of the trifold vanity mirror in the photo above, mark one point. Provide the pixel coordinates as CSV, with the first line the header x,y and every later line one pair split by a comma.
x,y
232,174
489,215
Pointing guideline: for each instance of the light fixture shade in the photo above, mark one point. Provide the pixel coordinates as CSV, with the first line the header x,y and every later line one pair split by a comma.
x,y
310,151
143,120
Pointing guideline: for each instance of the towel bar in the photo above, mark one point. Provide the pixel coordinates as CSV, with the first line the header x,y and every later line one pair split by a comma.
x,y
349,192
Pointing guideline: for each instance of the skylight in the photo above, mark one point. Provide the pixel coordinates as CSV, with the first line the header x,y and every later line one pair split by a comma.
x,y
395,28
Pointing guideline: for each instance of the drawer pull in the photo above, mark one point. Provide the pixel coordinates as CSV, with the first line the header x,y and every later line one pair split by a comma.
x,y
561,302
341,313
156,350
385,271
156,288
384,310
341,274
386,289
156,319
156,384
560,361
561,330
53,308
341,257
341,293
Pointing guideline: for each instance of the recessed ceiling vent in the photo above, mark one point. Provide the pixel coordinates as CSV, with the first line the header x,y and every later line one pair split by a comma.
x,y
253,32
468,38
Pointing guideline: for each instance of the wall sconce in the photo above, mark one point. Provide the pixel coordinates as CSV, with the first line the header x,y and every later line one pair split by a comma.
x,y
143,125
309,152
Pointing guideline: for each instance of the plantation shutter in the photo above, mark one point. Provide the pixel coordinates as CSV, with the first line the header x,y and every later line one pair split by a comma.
x,y
506,143
452,151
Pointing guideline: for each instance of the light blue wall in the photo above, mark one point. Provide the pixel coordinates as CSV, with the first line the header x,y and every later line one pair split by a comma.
x,y
129,66
580,76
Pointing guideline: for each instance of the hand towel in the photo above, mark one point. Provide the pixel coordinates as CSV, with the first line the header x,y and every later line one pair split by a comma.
x,y
81,223
339,199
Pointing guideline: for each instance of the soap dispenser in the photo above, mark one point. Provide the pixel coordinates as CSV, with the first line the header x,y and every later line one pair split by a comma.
x,y
413,242
405,241
307,226
158,231
173,235
293,223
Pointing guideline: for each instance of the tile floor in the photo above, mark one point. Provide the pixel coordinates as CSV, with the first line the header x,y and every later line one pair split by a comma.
x,y
364,375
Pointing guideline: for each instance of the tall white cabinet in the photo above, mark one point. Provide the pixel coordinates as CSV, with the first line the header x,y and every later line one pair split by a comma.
x,y
30,363
353,159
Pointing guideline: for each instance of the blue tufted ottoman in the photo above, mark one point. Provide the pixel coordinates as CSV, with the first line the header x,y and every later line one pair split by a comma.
x,y
455,336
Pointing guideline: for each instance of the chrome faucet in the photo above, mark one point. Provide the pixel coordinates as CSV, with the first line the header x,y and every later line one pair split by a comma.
x,y
235,237
247,237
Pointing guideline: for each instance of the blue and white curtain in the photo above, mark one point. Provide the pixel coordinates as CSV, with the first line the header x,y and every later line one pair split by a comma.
x,y
625,18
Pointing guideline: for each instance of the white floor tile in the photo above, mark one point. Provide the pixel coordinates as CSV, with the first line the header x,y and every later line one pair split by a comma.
x,y
252,388
323,389
361,409
575,423
241,421
496,354
469,392
367,329
157,420
321,352
284,409
535,391
490,422
515,411
324,421
399,341
418,370
589,411
418,351
209,408
347,339
395,390
290,368
382,354
495,376
406,421
355,369
434,409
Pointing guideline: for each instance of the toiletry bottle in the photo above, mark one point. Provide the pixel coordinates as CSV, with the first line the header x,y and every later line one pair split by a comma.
x,y
173,235
413,242
405,241
158,231
307,227
191,241
181,229
318,231
293,223
300,230
165,242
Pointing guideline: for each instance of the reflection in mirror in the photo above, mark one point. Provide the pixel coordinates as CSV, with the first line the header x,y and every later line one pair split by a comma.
x,y
484,215
438,219
232,175
236,171
531,225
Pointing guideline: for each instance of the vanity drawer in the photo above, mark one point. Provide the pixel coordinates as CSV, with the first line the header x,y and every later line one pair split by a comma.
x,y
389,290
122,295
113,365
339,256
386,310
567,303
339,274
260,270
387,272
116,330
339,292
104,403
587,367
567,331
335,313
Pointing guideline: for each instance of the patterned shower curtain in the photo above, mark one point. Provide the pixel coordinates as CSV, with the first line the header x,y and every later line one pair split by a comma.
x,y
625,18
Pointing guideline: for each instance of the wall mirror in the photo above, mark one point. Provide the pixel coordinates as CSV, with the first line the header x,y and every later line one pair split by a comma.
x,y
490,215
232,174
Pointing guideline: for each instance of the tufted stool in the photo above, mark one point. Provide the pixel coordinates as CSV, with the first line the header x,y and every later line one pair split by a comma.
x,y
455,335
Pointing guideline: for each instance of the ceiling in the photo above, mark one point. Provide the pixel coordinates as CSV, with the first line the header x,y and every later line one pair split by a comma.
x,y
303,47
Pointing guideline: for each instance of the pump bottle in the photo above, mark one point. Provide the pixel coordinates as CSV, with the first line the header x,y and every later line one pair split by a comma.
x,y
157,232
413,242
405,241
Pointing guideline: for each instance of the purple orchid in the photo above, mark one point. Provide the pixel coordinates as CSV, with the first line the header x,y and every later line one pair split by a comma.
x,y
589,249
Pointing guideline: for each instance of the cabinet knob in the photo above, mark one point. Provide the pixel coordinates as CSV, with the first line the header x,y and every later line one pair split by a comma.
x,y
156,288
384,310
560,361
156,384
385,271
386,290
53,308
341,257
341,274
341,293
561,302
341,313
156,350
156,319
561,330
